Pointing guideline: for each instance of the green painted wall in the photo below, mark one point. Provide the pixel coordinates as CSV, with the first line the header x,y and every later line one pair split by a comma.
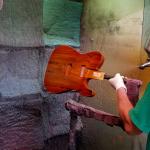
x,y
61,22
100,13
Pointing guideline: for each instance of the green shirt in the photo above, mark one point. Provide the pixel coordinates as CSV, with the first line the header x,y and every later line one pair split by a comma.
x,y
140,114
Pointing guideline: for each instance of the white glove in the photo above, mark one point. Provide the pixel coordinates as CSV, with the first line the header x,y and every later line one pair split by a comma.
x,y
117,82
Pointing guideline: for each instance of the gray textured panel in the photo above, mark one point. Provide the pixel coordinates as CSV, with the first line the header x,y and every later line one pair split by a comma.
x,y
21,123
21,23
19,72
57,143
26,121
56,117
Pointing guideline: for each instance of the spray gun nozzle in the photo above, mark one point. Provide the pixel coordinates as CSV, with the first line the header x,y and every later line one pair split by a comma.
x,y
147,64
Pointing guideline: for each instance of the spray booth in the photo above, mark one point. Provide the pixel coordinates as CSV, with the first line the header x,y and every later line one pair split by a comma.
x,y
31,117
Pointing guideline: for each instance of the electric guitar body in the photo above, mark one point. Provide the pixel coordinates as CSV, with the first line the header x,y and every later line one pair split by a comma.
x,y
70,70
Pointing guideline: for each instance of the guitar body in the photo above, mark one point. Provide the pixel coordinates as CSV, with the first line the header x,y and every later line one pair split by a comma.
x,y
64,70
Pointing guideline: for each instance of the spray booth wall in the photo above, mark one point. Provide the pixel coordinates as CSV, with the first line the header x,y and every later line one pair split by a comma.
x,y
114,28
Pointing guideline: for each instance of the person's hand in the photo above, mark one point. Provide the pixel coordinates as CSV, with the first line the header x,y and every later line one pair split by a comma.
x,y
117,82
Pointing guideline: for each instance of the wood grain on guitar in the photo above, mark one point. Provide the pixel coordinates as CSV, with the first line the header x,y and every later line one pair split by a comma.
x,y
70,70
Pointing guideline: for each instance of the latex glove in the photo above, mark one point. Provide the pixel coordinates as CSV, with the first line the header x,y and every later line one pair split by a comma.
x,y
117,82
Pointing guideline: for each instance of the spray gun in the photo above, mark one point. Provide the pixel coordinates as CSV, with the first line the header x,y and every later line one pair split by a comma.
x,y
147,63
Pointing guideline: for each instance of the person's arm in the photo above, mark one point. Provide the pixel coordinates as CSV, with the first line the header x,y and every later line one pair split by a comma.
x,y
124,105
